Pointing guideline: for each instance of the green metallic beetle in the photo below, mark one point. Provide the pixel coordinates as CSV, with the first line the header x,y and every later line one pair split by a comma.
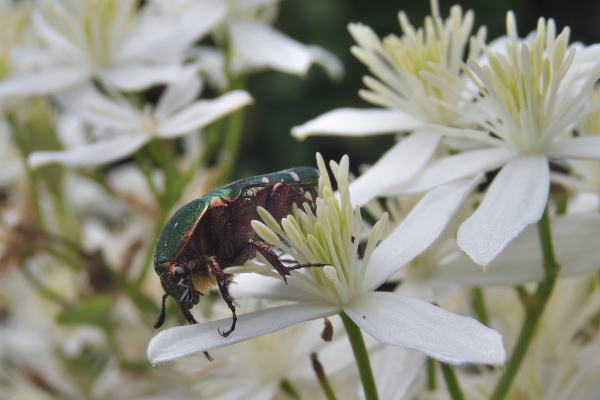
x,y
214,232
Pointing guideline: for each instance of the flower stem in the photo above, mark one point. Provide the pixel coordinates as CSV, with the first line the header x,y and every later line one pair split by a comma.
x,y
362,357
431,375
534,307
479,305
451,382
289,389
233,138
322,377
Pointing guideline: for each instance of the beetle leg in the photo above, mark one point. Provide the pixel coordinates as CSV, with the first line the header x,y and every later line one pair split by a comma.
x,y
160,319
188,315
222,283
265,249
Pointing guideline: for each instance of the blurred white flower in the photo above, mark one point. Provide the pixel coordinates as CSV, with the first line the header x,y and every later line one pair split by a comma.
x,y
411,101
561,362
348,284
11,163
256,368
122,128
256,45
115,41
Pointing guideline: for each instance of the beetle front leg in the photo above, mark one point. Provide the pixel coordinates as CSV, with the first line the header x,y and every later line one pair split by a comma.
x,y
222,283
265,249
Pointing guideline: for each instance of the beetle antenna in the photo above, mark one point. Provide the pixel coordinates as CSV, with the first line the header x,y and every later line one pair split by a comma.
x,y
160,319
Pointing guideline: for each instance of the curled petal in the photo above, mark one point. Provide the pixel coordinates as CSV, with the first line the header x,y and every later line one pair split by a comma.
x,y
262,46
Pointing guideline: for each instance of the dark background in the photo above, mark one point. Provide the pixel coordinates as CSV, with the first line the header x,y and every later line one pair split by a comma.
x,y
283,101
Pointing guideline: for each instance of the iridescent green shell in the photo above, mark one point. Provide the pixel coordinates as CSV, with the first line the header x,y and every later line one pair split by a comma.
x,y
185,221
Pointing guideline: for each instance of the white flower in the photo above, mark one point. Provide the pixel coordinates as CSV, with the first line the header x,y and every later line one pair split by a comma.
x,y
348,284
123,128
122,45
530,96
256,368
561,362
410,101
256,45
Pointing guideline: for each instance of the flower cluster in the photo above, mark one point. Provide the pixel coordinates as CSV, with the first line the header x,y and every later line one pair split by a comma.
x,y
465,251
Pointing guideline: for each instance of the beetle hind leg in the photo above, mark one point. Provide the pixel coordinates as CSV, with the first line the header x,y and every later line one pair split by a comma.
x,y
222,284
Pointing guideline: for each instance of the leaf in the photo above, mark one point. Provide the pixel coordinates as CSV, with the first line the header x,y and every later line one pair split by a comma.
x,y
95,311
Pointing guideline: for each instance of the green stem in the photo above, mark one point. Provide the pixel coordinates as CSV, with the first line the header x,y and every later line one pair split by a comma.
x,y
479,305
452,382
322,377
289,389
431,375
233,138
31,175
534,307
362,357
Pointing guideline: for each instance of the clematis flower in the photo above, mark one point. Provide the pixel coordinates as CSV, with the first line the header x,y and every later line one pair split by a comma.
x,y
529,97
348,283
256,45
115,41
561,362
122,128
584,175
410,102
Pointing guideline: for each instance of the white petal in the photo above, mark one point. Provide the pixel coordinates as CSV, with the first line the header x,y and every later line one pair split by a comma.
x,y
185,340
331,64
585,147
57,41
262,46
395,370
451,168
94,154
521,262
248,390
165,35
515,199
417,232
88,103
203,112
404,321
399,164
178,94
133,77
44,82
357,122
263,287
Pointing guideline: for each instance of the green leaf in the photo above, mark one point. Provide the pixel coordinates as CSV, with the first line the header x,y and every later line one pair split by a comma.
x,y
95,311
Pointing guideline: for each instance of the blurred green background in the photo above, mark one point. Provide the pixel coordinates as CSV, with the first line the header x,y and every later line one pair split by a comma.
x,y
283,101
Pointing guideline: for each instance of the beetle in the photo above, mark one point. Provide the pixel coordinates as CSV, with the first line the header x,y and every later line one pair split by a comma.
x,y
214,232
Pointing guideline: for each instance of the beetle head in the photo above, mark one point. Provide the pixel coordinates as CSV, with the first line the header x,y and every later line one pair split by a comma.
x,y
176,280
